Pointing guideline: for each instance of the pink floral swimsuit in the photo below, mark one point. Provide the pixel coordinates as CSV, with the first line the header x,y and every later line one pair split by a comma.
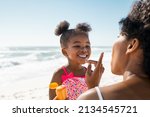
x,y
75,85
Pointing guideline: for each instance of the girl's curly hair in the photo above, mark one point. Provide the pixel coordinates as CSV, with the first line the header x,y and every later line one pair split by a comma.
x,y
66,33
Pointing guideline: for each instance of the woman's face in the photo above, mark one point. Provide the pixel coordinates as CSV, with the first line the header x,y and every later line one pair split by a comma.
x,y
119,58
78,49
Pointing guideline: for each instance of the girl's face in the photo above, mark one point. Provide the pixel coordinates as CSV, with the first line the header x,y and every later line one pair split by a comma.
x,y
78,49
119,58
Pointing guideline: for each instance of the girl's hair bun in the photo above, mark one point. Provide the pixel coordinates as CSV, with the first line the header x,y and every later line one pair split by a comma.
x,y
62,27
83,27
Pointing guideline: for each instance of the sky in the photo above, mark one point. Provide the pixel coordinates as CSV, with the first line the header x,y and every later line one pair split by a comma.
x,y
32,22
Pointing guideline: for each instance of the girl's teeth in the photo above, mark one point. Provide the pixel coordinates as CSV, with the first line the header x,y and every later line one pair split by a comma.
x,y
83,56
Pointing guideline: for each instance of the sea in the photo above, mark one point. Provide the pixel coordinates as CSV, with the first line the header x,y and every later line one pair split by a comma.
x,y
14,56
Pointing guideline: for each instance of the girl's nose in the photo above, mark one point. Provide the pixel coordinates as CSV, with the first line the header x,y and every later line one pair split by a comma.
x,y
84,49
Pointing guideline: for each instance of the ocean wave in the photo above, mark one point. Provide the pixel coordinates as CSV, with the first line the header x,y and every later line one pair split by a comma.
x,y
8,64
13,60
13,56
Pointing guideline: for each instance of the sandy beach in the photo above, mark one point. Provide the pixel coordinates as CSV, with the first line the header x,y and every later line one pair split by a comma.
x,y
27,82
25,90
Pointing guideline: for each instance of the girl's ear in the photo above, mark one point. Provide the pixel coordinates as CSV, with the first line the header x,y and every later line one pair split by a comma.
x,y
132,46
63,50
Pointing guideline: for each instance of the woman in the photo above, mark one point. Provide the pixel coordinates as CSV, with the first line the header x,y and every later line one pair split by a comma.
x,y
130,58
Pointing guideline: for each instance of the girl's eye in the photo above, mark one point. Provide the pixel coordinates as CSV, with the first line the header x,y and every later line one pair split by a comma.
x,y
88,46
80,47
77,46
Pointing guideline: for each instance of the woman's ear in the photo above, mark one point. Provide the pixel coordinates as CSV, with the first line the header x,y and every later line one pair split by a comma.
x,y
132,46
63,50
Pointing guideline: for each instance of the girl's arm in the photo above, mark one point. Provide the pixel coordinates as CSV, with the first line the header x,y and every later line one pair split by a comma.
x,y
56,78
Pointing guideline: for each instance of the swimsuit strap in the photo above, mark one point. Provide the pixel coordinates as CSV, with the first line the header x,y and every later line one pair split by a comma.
x,y
66,73
65,70
99,93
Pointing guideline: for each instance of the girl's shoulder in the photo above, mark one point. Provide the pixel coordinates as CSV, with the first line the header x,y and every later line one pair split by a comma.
x,y
57,76
58,72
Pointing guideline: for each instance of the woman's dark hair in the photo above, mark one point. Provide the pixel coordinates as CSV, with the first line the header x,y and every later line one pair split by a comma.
x,y
137,25
66,33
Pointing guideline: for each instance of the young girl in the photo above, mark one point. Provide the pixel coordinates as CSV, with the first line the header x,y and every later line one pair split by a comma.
x,y
75,46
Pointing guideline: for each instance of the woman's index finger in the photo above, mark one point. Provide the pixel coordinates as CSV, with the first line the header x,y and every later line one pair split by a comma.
x,y
100,58
91,61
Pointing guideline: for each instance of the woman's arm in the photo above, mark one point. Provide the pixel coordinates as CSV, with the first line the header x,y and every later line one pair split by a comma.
x,y
89,95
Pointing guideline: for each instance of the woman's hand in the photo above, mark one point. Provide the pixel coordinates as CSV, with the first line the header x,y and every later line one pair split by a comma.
x,y
93,78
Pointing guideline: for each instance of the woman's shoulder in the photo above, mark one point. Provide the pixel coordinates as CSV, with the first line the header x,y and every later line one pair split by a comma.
x,y
90,94
116,91
126,90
